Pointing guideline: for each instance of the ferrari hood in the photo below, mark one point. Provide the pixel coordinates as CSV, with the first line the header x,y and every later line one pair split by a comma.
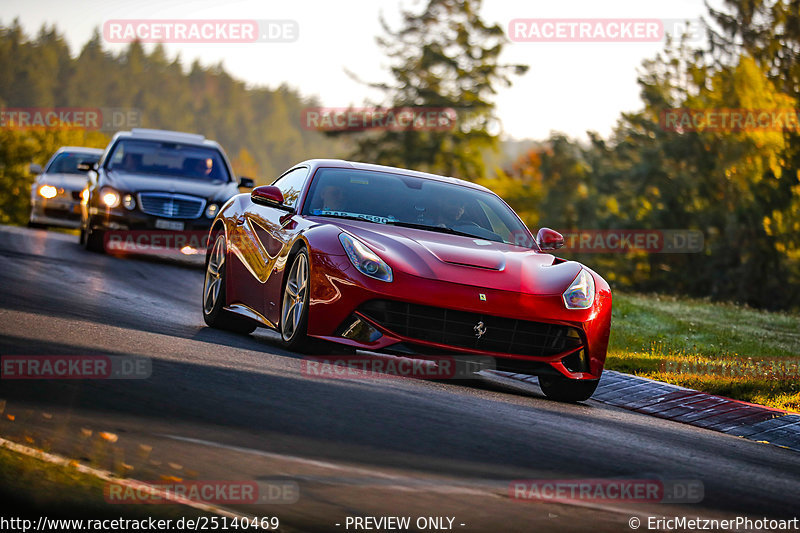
x,y
465,260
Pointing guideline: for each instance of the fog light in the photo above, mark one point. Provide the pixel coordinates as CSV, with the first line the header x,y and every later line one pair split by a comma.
x,y
576,362
128,202
211,210
359,330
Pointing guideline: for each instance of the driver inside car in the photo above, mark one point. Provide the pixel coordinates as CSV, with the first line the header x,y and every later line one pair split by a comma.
x,y
450,212
332,198
132,162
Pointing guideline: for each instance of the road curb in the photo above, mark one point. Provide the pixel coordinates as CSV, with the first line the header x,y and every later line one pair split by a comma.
x,y
663,400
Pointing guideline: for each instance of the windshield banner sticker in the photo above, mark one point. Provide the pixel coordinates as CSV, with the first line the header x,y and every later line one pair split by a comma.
x,y
370,218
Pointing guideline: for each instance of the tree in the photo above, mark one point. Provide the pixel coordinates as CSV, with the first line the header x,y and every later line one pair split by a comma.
x,y
19,148
259,121
444,57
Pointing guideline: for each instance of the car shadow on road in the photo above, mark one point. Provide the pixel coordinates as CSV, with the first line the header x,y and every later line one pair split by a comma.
x,y
389,423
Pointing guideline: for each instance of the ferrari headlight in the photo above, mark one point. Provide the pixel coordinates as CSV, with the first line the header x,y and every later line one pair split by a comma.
x,y
365,260
110,197
580,294
48,191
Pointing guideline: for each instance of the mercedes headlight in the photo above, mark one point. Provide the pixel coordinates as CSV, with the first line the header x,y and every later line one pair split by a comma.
x,y
110,197
365,260
129,202
580,294
211,210
48,191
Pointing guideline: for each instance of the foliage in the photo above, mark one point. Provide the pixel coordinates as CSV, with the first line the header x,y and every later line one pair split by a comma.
x,y
260,128
20,148
740,188
444,57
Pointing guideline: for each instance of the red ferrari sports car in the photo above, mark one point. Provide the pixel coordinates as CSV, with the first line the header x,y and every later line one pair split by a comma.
x,y
396,261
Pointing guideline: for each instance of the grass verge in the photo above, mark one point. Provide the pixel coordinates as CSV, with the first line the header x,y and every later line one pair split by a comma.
x,y
718,348
31,487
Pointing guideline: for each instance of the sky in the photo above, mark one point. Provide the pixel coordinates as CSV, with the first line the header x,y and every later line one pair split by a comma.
x,y
570,87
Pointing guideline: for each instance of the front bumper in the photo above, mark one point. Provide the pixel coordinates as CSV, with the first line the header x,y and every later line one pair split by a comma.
x,y
340,292
122,219
60,211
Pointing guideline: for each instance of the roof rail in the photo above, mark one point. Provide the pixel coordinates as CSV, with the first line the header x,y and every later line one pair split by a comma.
x,y
168,134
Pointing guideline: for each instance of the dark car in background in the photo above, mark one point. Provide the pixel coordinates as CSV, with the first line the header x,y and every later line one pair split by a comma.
x,y
156,180
56,190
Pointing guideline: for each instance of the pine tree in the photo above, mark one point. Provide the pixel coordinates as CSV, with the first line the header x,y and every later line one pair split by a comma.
x,y
444,57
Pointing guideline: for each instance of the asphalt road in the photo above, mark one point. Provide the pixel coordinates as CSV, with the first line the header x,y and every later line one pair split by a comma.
x,y
221,406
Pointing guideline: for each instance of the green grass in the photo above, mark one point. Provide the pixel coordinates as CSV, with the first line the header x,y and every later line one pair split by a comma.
x,y
673,339
30,487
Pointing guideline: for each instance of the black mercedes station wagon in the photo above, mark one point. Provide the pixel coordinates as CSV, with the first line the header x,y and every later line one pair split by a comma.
x,y
156,180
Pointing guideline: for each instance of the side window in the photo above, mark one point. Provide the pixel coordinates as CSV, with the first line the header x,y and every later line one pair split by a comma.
x,y
117,155
291,185
498,226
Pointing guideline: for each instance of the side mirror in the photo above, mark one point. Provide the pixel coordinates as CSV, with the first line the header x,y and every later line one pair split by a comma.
x,y
35,169
86,166
268,195
548,239
246,182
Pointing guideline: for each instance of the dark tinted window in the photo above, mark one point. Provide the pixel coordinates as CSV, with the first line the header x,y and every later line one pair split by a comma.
x,y
67,163
387,198
168,159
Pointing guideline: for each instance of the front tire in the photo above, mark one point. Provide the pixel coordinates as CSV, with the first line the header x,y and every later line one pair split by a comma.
x,y
562,389
93,240
214,312
294,305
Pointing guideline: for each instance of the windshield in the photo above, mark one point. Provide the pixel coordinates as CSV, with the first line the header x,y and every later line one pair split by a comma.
x,y
385,198
67,163
165,158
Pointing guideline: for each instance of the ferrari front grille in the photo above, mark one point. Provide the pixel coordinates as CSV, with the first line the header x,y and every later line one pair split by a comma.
x,y
474,331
